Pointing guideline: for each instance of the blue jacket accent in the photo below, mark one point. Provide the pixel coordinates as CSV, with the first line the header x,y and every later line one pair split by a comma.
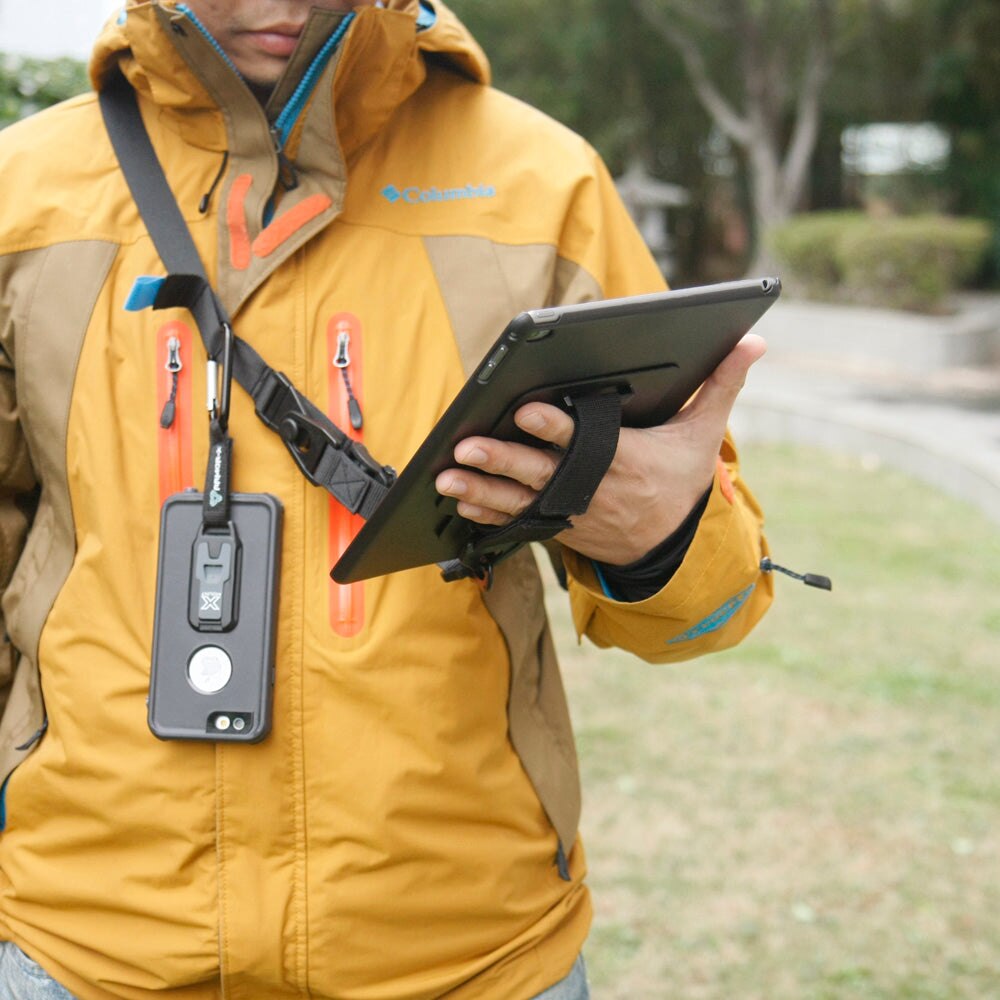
x,y
144,292
427,17
717,618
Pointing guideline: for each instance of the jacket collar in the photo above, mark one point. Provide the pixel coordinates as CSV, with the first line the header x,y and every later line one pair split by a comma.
x,y
380,62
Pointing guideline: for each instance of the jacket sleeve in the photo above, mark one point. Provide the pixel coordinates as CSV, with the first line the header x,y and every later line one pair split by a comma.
x,y
719,592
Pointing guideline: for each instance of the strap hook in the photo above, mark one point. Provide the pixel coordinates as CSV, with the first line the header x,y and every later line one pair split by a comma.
x,y
219,395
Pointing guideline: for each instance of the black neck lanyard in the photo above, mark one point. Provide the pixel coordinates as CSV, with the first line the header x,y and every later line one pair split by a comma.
x,y
215,512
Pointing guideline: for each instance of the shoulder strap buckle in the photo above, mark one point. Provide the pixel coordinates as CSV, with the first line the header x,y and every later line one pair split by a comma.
x,y
338,464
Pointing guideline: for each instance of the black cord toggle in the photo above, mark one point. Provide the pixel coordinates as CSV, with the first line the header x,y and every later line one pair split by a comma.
x,y
809,579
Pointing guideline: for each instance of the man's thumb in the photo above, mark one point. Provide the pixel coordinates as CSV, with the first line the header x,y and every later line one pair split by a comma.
x,y
724,384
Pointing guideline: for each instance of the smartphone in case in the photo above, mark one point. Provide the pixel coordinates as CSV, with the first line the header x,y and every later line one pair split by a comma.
x,y
212,670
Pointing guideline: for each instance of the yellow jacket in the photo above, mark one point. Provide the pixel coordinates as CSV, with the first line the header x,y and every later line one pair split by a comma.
x,y
397,835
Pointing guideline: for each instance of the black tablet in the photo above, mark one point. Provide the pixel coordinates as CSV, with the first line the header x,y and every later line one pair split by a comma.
x,y
656,350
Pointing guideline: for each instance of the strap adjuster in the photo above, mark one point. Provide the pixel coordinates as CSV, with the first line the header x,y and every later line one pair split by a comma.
x,y
337,464
275,398
307,441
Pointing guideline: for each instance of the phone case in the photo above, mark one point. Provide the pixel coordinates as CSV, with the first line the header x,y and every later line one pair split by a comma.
x,y
212,669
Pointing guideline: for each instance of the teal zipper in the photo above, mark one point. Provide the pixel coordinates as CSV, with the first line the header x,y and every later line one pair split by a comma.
x,y
190,14
426,16
282,127
285,122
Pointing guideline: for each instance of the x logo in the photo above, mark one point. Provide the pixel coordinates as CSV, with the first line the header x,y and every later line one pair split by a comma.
x,y
211,600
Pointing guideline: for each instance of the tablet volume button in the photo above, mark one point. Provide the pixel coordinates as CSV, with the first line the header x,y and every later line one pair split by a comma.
x,y
544,317
492,363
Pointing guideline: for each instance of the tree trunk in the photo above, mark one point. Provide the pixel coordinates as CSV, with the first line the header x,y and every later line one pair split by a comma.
x,y
778,176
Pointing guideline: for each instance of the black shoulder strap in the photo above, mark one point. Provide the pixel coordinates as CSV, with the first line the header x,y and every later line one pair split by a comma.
x,y
146,180
326,455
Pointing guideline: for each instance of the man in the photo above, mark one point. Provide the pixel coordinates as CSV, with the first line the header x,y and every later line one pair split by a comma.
x,y
409,827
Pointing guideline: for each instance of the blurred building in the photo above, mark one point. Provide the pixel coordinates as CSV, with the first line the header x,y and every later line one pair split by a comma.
x,y
895,167
648,201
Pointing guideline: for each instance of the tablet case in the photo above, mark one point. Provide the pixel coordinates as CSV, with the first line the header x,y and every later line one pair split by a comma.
x,y
655,350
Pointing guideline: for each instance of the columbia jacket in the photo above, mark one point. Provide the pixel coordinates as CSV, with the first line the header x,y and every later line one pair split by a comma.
x,y
409,828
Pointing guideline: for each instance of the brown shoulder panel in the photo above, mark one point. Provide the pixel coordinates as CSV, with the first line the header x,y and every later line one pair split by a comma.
x,y
471,269
47,298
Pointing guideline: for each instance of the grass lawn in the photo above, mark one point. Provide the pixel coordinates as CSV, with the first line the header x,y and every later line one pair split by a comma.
x,y
815,814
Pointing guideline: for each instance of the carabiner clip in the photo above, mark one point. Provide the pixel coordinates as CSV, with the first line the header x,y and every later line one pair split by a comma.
x,y
219,411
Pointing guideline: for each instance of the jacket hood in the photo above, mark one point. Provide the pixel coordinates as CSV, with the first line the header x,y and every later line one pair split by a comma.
x,y
136,40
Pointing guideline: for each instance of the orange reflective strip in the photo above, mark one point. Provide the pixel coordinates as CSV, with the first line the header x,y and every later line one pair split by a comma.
x,y
725,481
236,220
174,442
347,601
290,223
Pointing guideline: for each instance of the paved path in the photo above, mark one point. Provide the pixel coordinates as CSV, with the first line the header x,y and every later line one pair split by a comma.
x,y
938,422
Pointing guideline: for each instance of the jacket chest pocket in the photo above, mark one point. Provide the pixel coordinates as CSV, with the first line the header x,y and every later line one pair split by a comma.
x,y
174,357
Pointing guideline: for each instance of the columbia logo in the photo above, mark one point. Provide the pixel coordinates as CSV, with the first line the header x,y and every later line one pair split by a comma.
x,y
423,196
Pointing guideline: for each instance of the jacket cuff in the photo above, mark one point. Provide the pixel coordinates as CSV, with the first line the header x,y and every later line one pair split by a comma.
x,y
689,614
647,576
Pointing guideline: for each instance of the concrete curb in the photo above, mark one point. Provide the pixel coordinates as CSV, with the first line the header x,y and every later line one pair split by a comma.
x,y
934,462
833,379
905,342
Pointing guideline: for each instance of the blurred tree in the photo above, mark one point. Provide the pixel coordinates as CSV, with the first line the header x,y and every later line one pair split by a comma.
x,y
28,85
707,94
766,96
561,58
963,95
594,66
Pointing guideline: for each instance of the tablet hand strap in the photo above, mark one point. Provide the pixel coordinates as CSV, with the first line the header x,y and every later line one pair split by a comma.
x,y
595,439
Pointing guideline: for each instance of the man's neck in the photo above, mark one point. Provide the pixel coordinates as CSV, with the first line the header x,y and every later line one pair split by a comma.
x,y
262,91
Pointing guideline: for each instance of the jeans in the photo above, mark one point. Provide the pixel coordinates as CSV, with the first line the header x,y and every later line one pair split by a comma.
x,y
573,987
23,979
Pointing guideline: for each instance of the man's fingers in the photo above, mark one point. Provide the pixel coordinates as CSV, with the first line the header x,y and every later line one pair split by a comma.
x,y
498,480
507,476
486,499
547,423
531,466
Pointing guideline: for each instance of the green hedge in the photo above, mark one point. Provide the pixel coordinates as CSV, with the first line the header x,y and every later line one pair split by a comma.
x,y
28,85
910,262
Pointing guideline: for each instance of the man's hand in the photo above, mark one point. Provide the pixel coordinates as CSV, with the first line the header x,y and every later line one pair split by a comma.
x,y
657,476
